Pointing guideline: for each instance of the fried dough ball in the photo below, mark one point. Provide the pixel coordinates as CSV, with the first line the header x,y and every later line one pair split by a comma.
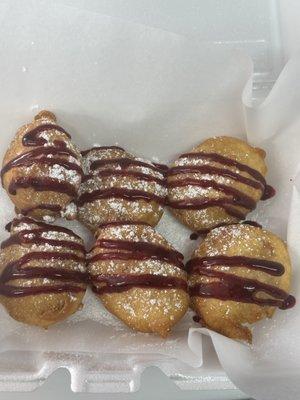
x,y
42,272
218,183
238,275
138,277
120,187
42,169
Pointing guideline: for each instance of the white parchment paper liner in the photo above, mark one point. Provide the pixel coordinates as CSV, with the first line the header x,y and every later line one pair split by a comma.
x,y
270,368
157,94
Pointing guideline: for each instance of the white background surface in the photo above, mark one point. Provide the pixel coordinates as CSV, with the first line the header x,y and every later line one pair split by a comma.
x,y
182,17
154,385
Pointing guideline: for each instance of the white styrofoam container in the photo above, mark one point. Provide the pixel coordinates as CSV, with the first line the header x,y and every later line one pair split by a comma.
x,y
250,26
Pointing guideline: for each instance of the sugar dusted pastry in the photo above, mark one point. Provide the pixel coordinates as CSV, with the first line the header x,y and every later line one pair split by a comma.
x,y
42,272
120,187
139,277
238,276
219,182
42,168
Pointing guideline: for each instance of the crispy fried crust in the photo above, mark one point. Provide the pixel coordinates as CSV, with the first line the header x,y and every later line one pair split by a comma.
x,y
100,211
229,317
208,218
42,310
149,310
26,198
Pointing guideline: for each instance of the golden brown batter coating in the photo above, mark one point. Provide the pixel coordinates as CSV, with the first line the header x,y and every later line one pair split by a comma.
x,y
229,317
42,168
119,187
42,273
125,252
211,185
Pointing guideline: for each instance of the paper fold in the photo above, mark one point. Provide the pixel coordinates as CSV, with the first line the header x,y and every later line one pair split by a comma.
x,y
270,368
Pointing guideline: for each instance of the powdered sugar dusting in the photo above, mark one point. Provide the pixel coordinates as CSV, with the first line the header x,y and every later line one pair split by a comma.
x,y
239,236
32,231
48,218
114,207
61,163
141,304
189,184
62,174
134,233
70,212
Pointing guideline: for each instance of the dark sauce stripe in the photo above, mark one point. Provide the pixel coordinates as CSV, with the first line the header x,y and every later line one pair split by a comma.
x,y
41,184
237,197
42,272
45,227
195,235
215,157
46,161
252,223
40,155
125,163
125,250
162,168
75,281
125,194
104,168
234,288
35,237
25,220
99,148
268,193
200,204
39,227
14,270
122,283
33,138
207,169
